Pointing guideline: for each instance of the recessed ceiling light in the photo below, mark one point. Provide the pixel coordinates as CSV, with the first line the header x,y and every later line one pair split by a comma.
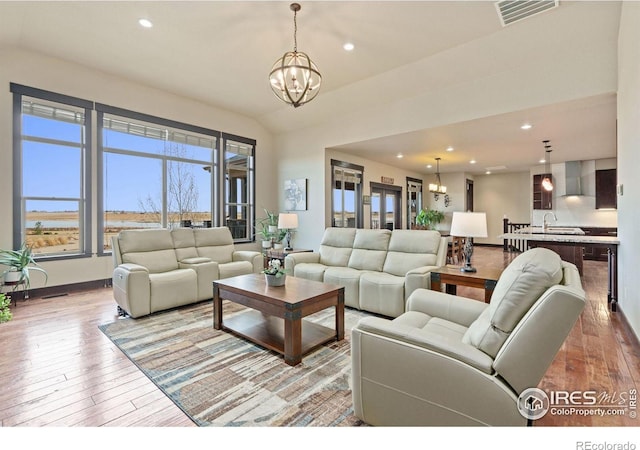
x,y
473,161
429,166
542,161
488,172
449,149
400,155
146,23
526,126
348,46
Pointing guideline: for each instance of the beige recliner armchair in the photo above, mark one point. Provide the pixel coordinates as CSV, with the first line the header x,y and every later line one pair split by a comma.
x,y
453,361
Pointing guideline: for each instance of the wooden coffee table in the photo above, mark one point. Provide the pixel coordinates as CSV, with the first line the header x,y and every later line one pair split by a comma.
x,y
452,276
275,321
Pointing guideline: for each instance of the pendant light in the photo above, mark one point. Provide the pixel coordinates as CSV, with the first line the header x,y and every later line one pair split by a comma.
x,y
547,184
294,78
437,188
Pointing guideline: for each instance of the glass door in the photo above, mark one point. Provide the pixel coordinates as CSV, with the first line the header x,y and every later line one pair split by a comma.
x,y
385,206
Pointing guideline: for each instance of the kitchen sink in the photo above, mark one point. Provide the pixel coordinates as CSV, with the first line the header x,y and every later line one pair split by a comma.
x,y
555,230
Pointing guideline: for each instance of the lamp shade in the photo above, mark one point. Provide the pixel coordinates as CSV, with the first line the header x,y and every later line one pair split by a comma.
x,y
469,224
287,221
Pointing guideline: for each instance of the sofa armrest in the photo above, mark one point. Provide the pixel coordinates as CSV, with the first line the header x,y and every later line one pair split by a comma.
x,y
292,259
206,271
417,278
428,340
255,258
132,290
460,310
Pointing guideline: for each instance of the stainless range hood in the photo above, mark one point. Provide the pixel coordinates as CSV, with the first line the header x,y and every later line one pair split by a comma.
x,y
572,174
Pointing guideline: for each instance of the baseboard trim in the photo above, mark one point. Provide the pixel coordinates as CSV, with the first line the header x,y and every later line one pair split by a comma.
x,y
625,325
61,290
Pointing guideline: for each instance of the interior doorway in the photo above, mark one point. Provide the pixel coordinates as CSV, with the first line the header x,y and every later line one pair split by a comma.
x,y
386,206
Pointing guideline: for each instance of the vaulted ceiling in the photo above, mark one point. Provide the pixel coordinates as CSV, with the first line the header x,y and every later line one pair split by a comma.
x,y
220,52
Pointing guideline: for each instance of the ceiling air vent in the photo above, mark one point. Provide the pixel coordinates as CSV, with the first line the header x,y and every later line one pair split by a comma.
x,y
511,11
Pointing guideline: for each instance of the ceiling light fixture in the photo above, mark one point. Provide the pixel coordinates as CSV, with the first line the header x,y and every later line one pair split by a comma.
x,y
449,149
400,155
348,46
146,23
473,161
294,78
547,184
437,188
526,126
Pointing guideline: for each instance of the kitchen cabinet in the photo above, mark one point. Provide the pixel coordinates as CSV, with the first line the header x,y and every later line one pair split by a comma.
x,y
594,253
542,199
606,189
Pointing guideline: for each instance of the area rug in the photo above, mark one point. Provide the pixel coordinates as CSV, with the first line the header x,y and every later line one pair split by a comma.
x,y
219,379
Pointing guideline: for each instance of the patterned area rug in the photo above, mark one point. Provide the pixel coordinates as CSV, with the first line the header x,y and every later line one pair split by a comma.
x,y
219,379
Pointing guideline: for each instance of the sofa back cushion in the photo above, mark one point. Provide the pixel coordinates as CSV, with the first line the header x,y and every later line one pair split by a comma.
x,y
215,243
152,249
336,246
185,243
520,285
369,249
409,249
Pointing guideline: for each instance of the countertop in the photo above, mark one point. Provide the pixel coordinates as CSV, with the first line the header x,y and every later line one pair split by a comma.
x,y
550,230
578,239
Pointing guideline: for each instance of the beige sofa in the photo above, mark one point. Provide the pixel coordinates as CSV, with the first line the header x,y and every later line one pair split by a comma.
x,y
159,269
379,269
453,361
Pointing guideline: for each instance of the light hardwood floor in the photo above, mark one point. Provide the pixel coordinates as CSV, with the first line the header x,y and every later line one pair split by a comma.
x,y
58,369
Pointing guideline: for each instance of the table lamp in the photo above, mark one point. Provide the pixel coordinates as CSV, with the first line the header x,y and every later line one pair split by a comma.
x,y
468,225
288,221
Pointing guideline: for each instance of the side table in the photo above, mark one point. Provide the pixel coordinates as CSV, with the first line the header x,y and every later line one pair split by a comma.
x,y
281,255
452,277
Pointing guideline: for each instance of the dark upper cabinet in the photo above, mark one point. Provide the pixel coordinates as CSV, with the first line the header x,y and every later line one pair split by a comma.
x,y
606,189
542,199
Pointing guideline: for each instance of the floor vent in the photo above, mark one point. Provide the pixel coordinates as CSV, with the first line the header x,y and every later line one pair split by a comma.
x,y
511,11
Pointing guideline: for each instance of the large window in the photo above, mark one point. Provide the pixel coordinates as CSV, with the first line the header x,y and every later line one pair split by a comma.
x,y
155,173
151,172
347,194
51,137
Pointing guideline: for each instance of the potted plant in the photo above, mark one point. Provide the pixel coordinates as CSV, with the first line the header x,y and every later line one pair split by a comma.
x,y
5,312
19,262
429,218
275,274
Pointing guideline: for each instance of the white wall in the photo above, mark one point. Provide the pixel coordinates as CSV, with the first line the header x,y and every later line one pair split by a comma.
x,y
36,70
629,162
501,195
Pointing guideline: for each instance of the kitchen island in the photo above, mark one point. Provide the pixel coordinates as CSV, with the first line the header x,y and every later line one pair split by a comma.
x,y
571,242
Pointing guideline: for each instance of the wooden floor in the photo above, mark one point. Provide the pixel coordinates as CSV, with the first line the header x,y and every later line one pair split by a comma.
x,y
58,369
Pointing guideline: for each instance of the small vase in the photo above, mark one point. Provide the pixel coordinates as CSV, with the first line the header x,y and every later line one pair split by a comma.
x,y
272,280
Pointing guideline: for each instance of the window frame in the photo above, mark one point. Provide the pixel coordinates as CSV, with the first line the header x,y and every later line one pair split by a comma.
x,y
103,109
84,201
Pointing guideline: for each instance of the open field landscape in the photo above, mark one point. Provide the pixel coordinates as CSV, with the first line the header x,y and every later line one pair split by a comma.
x,y
58,232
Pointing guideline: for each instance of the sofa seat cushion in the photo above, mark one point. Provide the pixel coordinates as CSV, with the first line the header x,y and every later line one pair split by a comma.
x,y
348,278
382,293
432,333
520,285
171,289
310,271
233,269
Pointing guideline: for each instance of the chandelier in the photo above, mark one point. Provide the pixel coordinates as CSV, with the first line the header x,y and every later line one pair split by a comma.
x,y
547,184
294,77
437,188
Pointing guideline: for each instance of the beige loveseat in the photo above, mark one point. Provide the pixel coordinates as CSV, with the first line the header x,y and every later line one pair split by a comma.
x,y
160,269
453,361
379,269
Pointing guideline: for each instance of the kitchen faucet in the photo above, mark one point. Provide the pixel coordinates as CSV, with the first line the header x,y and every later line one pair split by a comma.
x,y
545,224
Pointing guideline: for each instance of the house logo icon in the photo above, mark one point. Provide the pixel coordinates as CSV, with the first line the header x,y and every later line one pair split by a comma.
x,y
533,403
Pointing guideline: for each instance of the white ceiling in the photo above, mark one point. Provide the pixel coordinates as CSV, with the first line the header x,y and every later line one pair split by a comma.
x,y
220,52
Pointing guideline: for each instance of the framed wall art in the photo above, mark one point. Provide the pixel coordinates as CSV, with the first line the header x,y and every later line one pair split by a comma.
x,y
295,195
